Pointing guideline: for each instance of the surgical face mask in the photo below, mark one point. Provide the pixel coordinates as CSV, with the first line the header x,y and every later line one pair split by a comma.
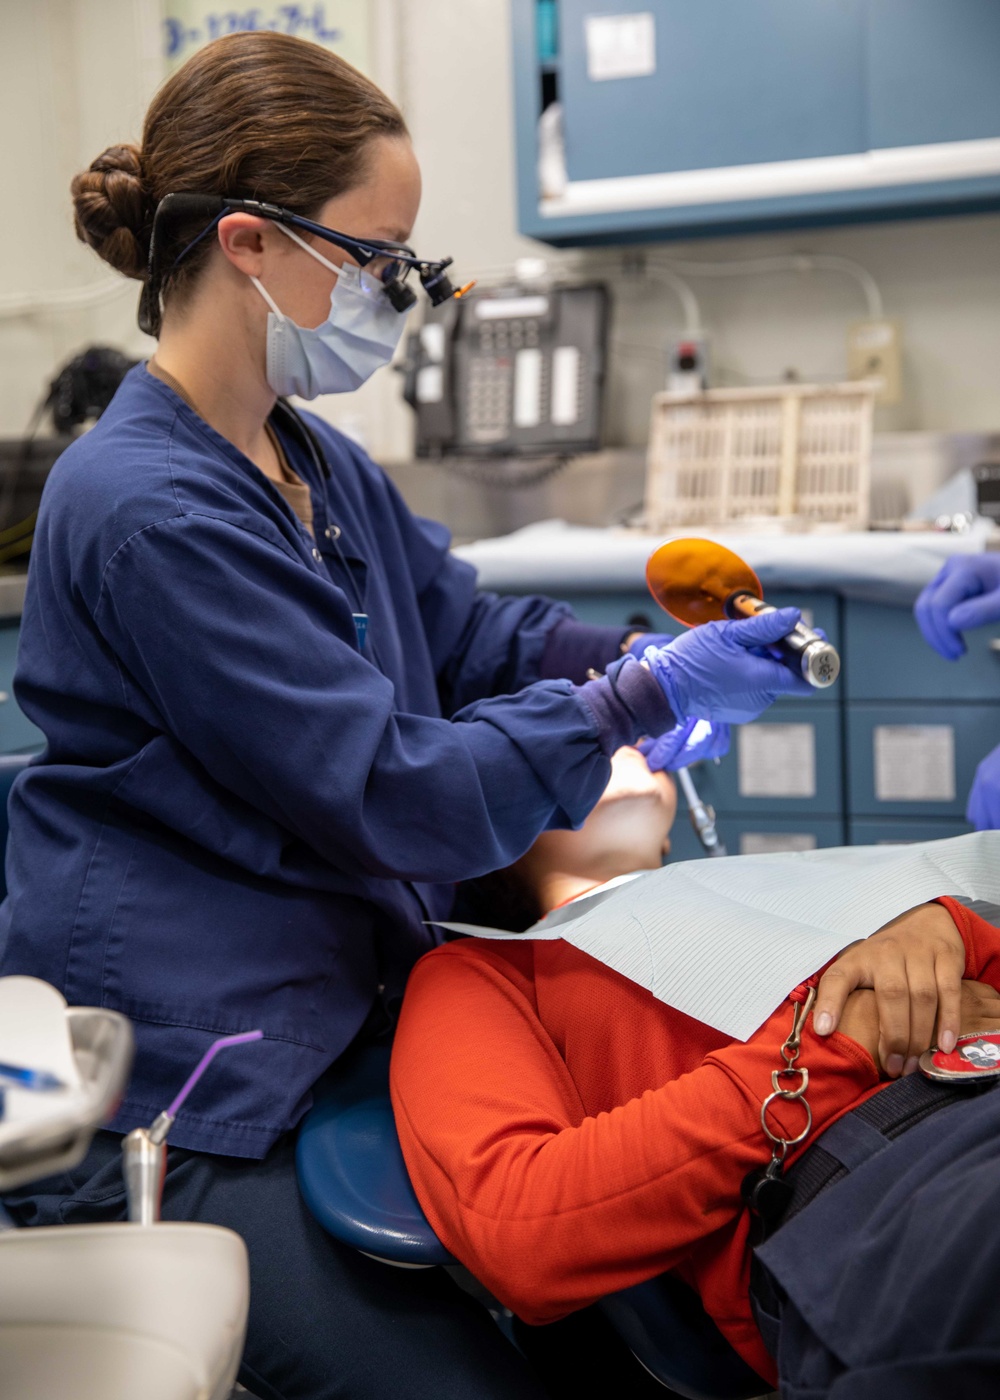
x,y
359,335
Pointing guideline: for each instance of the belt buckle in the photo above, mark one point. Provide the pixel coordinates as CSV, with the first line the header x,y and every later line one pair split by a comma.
x,y
975,1057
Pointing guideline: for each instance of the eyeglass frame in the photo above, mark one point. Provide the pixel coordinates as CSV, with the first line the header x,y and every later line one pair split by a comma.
x,y
363,250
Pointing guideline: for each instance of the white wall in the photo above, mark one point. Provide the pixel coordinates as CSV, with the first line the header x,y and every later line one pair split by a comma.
x,y
75,75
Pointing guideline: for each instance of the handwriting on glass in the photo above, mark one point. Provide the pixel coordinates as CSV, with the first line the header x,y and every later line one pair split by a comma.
x,y
301,21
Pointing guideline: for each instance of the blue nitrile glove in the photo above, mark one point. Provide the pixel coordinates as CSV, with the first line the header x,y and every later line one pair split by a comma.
x,y
712,672
691,742
983,810
965,594
649,639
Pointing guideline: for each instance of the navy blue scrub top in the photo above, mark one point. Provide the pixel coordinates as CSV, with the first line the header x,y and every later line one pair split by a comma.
x,y
240,819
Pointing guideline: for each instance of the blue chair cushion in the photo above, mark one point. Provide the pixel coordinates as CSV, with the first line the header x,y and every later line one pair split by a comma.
x,y
353,1178
350,1166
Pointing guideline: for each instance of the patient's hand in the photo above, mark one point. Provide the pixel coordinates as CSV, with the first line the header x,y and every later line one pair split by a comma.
x,y
979,1012
914,966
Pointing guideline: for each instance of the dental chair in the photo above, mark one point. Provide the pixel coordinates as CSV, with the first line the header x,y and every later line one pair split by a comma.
x,y
354,1181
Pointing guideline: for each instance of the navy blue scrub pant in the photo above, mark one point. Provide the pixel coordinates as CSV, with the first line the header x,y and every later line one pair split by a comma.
x,y
324,1321
889,1281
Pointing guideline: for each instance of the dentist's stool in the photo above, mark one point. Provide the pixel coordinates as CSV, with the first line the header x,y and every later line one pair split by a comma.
x,y
354,1181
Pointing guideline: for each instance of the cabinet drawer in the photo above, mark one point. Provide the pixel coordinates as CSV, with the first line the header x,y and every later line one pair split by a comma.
x,y
758,835
888,659
916,760
866,831
787,761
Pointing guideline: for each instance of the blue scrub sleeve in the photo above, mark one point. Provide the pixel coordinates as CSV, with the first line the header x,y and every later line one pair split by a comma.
x,y
243,656
573,648
628,704
480,644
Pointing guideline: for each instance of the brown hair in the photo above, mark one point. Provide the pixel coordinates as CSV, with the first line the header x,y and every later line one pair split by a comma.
x,y
250,116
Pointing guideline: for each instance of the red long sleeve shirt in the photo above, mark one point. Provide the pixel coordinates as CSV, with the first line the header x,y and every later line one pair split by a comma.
x,y
568,1135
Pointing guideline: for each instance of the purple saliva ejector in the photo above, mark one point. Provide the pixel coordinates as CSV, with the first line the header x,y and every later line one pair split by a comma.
x,y
144,1150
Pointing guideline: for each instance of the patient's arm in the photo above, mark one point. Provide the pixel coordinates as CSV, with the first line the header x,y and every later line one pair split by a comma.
x,y
550,1205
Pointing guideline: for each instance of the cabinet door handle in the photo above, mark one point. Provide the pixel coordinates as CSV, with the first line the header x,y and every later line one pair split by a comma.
x,y
995,645
4,696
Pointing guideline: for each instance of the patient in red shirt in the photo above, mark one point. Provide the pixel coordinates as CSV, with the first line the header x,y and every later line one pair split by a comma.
x,y
568,1135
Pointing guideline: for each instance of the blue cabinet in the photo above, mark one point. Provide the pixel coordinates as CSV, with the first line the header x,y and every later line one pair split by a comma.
x,y
888,659
916,760
753,836
710,63
866,831
680,118
17,733
788,761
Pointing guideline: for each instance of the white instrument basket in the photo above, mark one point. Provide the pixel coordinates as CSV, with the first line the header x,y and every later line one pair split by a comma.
x,y
795,452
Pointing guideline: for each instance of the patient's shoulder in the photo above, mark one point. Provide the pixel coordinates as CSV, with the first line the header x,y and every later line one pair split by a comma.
x,y
471,971
463,957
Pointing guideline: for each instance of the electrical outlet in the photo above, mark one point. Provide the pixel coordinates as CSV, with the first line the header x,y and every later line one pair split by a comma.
x,y
688,360
874,352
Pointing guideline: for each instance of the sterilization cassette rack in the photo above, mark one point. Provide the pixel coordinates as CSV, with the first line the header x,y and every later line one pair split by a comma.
x,y
798,453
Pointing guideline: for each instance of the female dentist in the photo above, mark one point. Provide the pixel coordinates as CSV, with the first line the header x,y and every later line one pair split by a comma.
x,y
280,721
965,594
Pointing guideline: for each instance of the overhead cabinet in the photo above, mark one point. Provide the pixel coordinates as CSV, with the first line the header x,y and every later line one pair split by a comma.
x,y
657,118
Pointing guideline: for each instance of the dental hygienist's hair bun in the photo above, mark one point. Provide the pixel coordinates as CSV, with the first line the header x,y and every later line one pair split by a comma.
x,y
253,115
113,210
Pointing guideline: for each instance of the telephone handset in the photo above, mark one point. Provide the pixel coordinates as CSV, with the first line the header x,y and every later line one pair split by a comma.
x,y
511,373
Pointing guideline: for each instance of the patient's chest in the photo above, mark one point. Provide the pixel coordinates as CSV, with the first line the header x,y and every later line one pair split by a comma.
x,y
615,1037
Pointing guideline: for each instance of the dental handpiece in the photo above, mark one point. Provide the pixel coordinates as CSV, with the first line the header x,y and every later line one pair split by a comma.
x,y
701,815
805,650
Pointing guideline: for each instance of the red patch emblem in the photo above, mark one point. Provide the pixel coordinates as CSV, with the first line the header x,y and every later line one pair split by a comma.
x,y
973,1057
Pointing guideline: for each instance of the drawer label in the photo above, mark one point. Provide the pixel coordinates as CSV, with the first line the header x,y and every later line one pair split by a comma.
x,y
763,843
777,760
914,763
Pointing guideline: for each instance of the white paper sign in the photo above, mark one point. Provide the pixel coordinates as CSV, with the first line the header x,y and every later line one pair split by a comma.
x,y
765,843
777,760
620,46
914,763
725,941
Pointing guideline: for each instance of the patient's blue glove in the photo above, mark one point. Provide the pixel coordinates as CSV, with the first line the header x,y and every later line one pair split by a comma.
x,y
714,671
965,594
691,742
983,810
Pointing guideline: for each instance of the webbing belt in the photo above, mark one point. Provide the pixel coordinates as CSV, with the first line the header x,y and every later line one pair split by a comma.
x,y
852,1140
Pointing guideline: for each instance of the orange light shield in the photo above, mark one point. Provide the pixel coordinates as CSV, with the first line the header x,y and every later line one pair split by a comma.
x,y
691,580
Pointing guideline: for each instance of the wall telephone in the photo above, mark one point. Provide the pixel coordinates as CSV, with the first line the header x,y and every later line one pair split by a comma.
x,y
511,372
